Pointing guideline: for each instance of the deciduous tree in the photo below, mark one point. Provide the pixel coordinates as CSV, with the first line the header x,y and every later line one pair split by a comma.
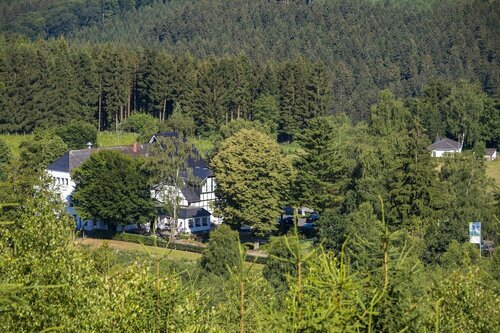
x,y
111,188
253,179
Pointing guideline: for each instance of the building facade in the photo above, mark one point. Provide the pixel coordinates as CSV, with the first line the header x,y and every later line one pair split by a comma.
x,y
195,213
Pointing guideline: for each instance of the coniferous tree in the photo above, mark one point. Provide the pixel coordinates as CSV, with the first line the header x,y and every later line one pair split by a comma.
x,y
413,189
222,255
325,167
266,110
210,96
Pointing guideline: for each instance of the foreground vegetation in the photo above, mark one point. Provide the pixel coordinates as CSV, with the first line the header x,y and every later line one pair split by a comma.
x,y
43,272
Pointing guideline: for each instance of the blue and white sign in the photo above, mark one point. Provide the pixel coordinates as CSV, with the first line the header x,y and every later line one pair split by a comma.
x,y
475,232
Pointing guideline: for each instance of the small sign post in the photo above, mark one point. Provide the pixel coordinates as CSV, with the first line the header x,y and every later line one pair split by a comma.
x,y
475,234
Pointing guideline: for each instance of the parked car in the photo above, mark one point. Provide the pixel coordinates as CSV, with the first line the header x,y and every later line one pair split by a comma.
x,y
287,220
487,247
246,228
312,218
309,225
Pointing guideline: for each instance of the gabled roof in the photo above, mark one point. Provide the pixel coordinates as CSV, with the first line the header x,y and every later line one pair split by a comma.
x,y
165,135
200,168
445,145
61,164
192,212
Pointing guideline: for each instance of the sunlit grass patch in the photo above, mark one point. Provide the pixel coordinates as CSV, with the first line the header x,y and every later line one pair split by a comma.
x,y
106,139
14,140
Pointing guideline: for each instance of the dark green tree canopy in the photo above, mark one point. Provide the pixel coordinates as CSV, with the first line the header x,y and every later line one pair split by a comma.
x,y
76,135
110,187
44,148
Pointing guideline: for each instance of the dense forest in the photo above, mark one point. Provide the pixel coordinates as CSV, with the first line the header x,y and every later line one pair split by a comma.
x,y
326,104
216,58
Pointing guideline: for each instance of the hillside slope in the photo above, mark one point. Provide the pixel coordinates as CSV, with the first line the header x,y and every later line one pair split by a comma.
x,y
367,45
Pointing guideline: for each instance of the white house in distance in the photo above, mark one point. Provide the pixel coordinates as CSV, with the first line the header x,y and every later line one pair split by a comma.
x,y
444,146
491,154
195,213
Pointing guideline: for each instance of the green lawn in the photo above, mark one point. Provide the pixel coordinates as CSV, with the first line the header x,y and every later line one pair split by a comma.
x,y
14,140
493,170
141,249
106,139
127,253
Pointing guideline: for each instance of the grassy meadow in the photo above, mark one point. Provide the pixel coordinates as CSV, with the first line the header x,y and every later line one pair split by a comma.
x,y
126,253
493,170
104,139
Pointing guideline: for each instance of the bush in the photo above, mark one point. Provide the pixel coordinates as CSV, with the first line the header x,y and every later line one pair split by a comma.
x,y
223,252
77,134
143,124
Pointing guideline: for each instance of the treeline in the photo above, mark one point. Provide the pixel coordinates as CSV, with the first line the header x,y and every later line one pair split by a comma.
x,y
45,84
365,46
51,18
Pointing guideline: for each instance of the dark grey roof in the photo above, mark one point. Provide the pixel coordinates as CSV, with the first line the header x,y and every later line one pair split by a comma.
x,y
200,168
490,151
445,144
74,158
61,164
165,135
191,193
192,212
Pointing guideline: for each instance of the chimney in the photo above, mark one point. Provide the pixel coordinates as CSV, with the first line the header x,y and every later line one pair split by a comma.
x,y
134,147
89,145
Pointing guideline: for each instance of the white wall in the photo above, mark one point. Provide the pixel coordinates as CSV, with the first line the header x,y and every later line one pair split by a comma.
x,y
183,225
169,192
62,184
441,153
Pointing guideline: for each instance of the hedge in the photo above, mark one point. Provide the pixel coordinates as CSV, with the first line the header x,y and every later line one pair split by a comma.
x,y
148,240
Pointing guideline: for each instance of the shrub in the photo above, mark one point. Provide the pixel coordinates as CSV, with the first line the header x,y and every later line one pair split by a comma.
x,y
143,124
77,134
222,253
